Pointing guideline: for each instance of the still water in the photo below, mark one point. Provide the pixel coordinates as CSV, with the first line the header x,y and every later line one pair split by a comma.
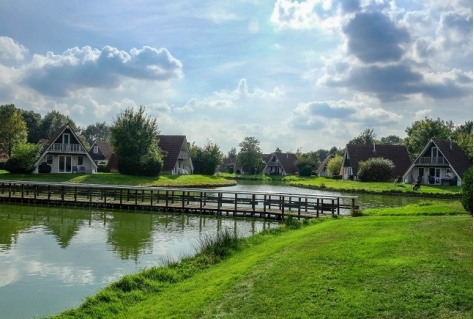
x,y
51,258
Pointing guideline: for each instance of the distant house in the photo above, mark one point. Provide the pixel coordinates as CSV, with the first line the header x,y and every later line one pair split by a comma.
x,y
228,165
280,164
176,159
322,170
441,162
101,152
354,154
64,153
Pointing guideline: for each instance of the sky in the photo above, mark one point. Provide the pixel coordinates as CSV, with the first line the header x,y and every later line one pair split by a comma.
x,y
296,75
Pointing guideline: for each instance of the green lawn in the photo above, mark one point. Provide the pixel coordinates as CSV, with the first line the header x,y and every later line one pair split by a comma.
x,y
119,179
365,267
453,207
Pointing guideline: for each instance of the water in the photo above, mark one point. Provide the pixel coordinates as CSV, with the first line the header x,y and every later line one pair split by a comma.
x,y
51,258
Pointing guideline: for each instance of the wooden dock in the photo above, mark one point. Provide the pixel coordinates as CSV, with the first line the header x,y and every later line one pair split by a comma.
x,y
199,201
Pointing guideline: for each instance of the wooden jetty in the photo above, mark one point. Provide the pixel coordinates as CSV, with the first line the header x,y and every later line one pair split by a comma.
x,y
195,200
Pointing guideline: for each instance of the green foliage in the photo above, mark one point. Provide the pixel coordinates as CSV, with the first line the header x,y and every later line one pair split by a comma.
x,y
466,192
206,160
250,156
134,138
391,140
33,122
219,245
96,132
463,137
367,137
334,165
375,170
54,120
307,163
420,132
24,158
12,128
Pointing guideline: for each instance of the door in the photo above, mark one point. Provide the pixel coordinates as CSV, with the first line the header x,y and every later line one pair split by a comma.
x,y
65,164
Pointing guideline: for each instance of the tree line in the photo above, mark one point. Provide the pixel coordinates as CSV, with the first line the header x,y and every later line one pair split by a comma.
x,y
134,137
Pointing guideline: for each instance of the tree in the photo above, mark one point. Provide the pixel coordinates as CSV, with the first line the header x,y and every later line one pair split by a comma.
x,y
463,136
206,159
12,128
420,132
23,158
134,137
232,153
334,165
466,191
367,137
33,122
391,140
250,155
96,132
307,163
375,170
54,120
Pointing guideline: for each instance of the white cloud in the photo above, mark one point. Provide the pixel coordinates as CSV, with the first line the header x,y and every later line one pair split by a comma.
x,y
11,51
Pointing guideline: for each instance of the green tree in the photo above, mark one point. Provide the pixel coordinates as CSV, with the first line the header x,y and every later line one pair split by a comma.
x,y
96,132
232,153
134,136
463,137
12,128
23,158
375,170
307,163
206,159
250,155
391,140
367,137
466,191
54,120
420,132
33,122
334,165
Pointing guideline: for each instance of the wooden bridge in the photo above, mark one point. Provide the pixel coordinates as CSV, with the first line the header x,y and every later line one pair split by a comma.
x,y
200,201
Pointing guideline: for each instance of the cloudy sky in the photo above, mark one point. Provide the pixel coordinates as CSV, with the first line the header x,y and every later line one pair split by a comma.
x,y
293,74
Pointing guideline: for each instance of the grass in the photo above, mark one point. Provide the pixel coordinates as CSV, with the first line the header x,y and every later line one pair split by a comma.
x,y
365,267
421,208
193,180
330,184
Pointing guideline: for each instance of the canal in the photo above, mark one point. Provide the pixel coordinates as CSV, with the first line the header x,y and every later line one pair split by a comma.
x,y
52,258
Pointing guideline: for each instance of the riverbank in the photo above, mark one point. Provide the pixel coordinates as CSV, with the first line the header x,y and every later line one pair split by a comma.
x,y
349,186
370,266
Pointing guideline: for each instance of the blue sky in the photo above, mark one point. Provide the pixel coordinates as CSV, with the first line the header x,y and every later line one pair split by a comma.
x,y
293,74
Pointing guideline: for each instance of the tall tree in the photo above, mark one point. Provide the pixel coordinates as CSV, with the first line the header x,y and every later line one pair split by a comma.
x,y
334,165
367,137
463,136
421,131
33,122
134,136
307,163
232,153
391,140
206,159
12,128
96,132
250,155
54,120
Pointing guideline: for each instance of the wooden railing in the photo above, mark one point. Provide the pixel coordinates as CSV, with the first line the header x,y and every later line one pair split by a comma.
x,y
66,148
431,161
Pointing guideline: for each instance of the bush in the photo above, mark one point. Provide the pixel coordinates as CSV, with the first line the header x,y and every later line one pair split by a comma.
x,y
334,165
148,165
466,191
23,160
101,168
375,170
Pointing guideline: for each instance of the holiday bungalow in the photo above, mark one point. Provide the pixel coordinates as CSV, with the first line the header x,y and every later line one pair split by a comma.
x,y
441,162
322,170
280,163
101,152
354,154
176,157
64,153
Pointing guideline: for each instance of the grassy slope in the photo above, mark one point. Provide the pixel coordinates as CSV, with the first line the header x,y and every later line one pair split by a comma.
x,y
366,267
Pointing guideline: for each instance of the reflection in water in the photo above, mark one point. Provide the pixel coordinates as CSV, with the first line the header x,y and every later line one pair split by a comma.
x,y
55,256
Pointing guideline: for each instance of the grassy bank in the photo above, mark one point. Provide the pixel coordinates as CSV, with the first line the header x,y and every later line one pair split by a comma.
x,y
330,184
365,267
194,180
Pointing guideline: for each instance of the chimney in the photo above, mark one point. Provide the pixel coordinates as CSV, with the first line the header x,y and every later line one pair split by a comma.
x,y
450,143
374,151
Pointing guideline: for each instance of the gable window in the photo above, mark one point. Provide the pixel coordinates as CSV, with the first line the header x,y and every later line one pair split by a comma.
x,y
434,152
96,149
66,138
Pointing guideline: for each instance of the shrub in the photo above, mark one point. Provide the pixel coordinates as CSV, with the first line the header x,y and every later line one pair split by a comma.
x,y
334,165
375,170
23,159
466,191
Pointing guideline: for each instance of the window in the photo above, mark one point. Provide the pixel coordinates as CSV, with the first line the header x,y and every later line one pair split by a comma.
x,y
434,152
421,171
96,149
66,139
49,159
80,160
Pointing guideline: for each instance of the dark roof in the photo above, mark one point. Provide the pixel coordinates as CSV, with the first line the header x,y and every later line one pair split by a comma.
x,y
105,149
226,162
171,146
398,154
324,163
453,154
112,164
287,161
53,138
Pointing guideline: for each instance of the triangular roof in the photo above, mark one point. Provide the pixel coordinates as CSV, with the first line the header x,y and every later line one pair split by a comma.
x,y
451,151
287,161
171,146
398,154
324,163
106,149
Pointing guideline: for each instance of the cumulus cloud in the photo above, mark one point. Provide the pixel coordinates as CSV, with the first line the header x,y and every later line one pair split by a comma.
x,y
11,51
80,68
